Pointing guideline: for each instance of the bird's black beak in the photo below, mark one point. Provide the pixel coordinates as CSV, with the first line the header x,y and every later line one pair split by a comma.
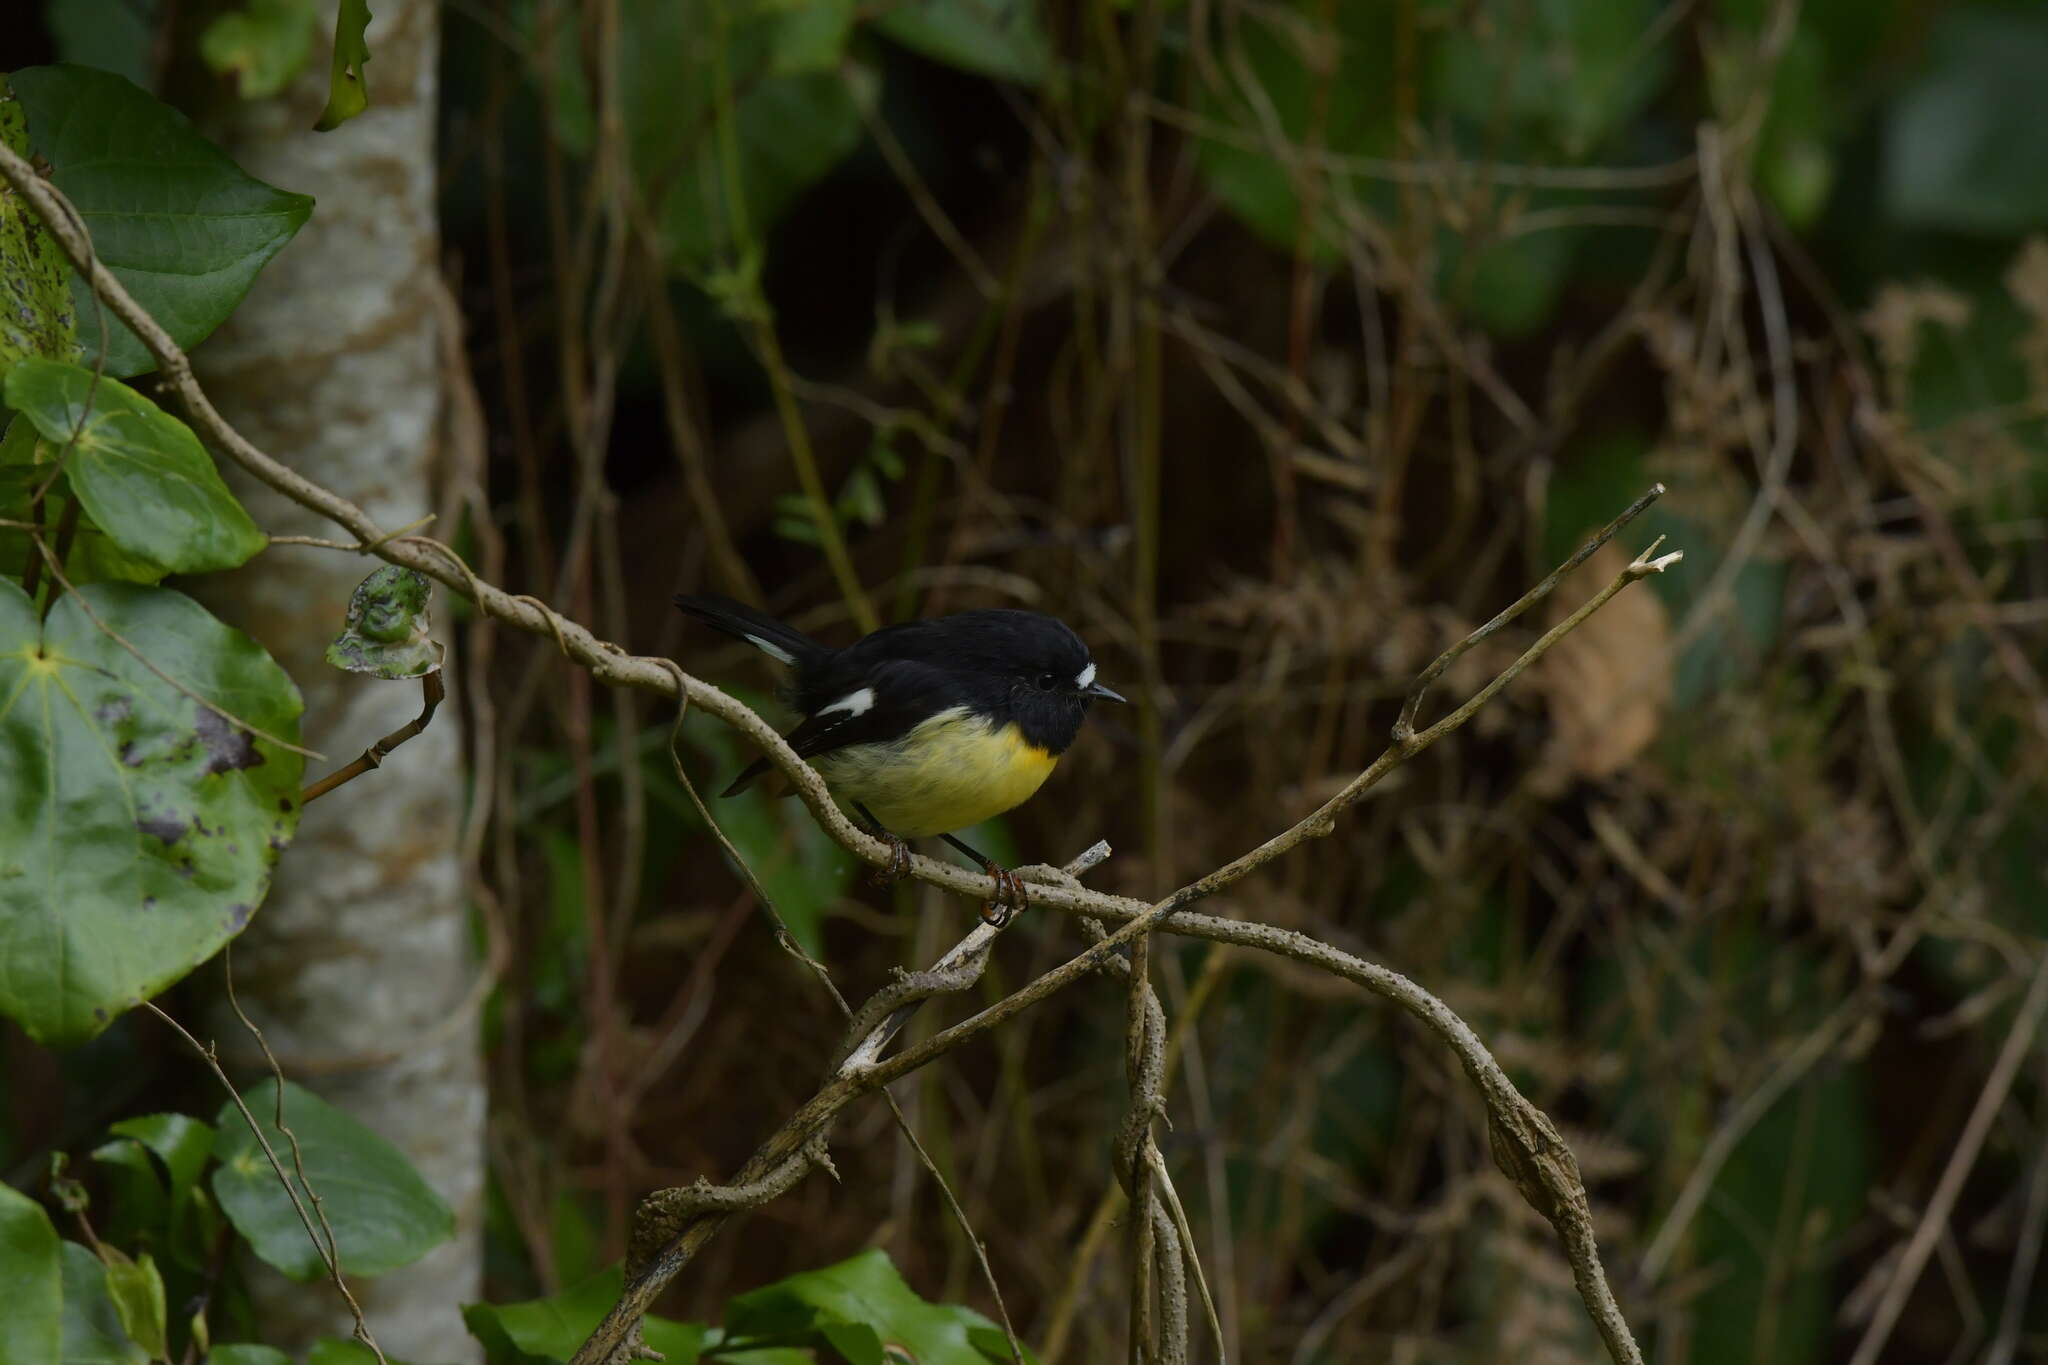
x,y
1098,690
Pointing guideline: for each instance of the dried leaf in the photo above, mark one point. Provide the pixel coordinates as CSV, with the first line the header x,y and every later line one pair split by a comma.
x,y
1607,684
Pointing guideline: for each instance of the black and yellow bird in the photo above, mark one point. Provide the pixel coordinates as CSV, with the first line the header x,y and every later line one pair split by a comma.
x,y
928,727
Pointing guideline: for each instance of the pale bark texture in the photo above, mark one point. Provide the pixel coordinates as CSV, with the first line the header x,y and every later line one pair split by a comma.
x,y
358,965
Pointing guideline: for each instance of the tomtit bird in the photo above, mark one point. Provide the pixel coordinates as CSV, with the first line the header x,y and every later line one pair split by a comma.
x,y
929,726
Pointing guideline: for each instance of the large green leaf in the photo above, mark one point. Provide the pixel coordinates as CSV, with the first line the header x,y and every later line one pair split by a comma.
x,y
178,222
865,1291
31,1320
36,317
1964,148
552,1328
93,1334
383,1215
138,824
139,472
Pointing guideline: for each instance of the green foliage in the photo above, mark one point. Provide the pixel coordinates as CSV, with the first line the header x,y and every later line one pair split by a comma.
x,y
263,46
800,867
30,1269
552,1328
93,1333
139,472
138,817
348,93
182,226
138,1294
385,633
1954,156
857,1306
856,1311
113,35
244,1353
383,1215
999,38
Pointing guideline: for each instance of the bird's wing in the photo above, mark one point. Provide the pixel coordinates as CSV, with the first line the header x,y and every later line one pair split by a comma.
x,y
884,702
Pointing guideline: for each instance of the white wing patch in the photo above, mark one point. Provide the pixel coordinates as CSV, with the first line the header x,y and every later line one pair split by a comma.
x,y
853,703
772,651
1085,678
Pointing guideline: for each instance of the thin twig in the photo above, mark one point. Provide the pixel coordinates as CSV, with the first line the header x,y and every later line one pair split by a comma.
x,y
325,1249
431,695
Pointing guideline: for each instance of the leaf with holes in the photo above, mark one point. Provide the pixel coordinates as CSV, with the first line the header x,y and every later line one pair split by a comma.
x,y
383,1215
174,218
138,821
347,92
139,472
385,632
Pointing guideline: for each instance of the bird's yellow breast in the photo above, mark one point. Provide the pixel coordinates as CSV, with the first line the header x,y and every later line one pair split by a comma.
x,y
951,771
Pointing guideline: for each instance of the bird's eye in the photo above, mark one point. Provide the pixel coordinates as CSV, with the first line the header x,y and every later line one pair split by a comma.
x,y
1048,681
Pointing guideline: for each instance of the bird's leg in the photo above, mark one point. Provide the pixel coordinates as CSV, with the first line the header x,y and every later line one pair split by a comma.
x,y
1010,896
898,866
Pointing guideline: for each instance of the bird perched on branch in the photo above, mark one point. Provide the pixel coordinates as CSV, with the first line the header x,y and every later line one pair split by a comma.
x,y
929,726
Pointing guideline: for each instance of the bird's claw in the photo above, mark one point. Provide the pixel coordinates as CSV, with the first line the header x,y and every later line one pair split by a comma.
x,y
898,866
1010,897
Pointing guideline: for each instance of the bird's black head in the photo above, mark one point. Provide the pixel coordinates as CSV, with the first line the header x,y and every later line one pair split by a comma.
x,y
1036,669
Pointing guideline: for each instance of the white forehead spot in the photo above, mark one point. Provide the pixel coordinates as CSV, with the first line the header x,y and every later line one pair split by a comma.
x,y
853,703
1085,678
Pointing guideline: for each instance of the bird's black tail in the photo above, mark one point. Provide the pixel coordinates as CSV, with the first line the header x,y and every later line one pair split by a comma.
x,y
782,642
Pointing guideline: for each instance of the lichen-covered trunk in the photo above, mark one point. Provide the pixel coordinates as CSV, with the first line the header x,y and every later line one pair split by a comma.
x,y
358,965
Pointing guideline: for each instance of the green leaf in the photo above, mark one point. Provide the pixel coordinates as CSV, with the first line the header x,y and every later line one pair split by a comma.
x,y
36,317
113,35
247,1353
94,557
141,1207
800,867
30,1269
182,1142
262,46
385,632
789,131
810,35
856,1341
1963,150
1000,38
137,825
864,1290
176,221
1277,94
383,1215
992,1342
138,1293
552,1328
347,92
139,472
183,1145
93,1334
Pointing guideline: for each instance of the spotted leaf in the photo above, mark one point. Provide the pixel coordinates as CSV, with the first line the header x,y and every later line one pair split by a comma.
x,y
138,821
